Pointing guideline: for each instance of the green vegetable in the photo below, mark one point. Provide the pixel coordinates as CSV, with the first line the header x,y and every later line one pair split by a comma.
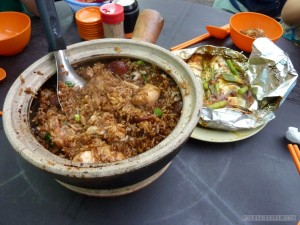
x,y
232,78
231,67
158,112
238,67
69,83
77,117
205,85
243,90
214,89
207,74
140,62
144,78
218,105
48,138
207,94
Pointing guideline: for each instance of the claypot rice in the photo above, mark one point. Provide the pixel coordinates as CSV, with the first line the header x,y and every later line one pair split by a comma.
x,y
127,107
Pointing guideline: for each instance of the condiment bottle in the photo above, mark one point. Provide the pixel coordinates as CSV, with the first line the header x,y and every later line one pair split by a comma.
x,y
131,12
148,26
112,16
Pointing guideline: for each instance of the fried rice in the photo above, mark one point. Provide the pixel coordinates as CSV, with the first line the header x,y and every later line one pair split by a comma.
x,y
126,107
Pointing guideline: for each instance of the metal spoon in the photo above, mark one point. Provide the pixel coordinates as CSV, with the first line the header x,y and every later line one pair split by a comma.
x,y
213,31
56,43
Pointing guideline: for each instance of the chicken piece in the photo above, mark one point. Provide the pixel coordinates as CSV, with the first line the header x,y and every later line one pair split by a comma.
x,y
131,85
85,157
105,154
89,73
53,124
101,153
147,95
60,135
106,80
106,125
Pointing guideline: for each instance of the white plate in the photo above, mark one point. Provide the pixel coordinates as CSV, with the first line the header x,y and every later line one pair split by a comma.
x,y
221,136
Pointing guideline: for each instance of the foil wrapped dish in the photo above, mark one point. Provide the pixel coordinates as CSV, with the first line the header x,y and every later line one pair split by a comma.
x,y
240,92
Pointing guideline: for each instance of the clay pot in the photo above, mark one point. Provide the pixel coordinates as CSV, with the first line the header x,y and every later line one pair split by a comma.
x,y
102,179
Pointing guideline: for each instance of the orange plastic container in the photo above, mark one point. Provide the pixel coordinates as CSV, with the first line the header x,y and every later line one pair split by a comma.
x,y
89,23
249,20
15,31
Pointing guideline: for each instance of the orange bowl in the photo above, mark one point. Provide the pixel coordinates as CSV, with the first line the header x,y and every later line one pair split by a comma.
x,y
2,74
88,15
249,20
15,31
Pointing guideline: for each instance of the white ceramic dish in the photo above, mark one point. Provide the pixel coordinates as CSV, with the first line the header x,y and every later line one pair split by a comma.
x,y
221,136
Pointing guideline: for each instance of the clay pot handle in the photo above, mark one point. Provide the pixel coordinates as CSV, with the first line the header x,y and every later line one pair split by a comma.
x,y
148,26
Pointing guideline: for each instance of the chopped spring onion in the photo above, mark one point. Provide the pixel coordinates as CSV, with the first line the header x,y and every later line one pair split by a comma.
x,y
144,78
158,112
207,74
69,83
48,138
140,62
77,117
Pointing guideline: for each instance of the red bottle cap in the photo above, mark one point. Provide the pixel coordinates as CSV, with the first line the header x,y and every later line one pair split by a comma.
x,y
112,13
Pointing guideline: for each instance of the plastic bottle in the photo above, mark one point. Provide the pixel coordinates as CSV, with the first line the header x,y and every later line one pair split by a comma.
x,y
131,12
112,16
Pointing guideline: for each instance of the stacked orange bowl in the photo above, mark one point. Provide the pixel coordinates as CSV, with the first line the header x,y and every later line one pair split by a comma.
x,y
89,23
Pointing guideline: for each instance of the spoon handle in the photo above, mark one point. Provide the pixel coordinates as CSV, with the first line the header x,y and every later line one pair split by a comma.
x,y
51,24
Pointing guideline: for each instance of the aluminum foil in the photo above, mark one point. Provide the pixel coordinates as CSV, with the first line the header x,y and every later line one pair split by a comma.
x,y
271,75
